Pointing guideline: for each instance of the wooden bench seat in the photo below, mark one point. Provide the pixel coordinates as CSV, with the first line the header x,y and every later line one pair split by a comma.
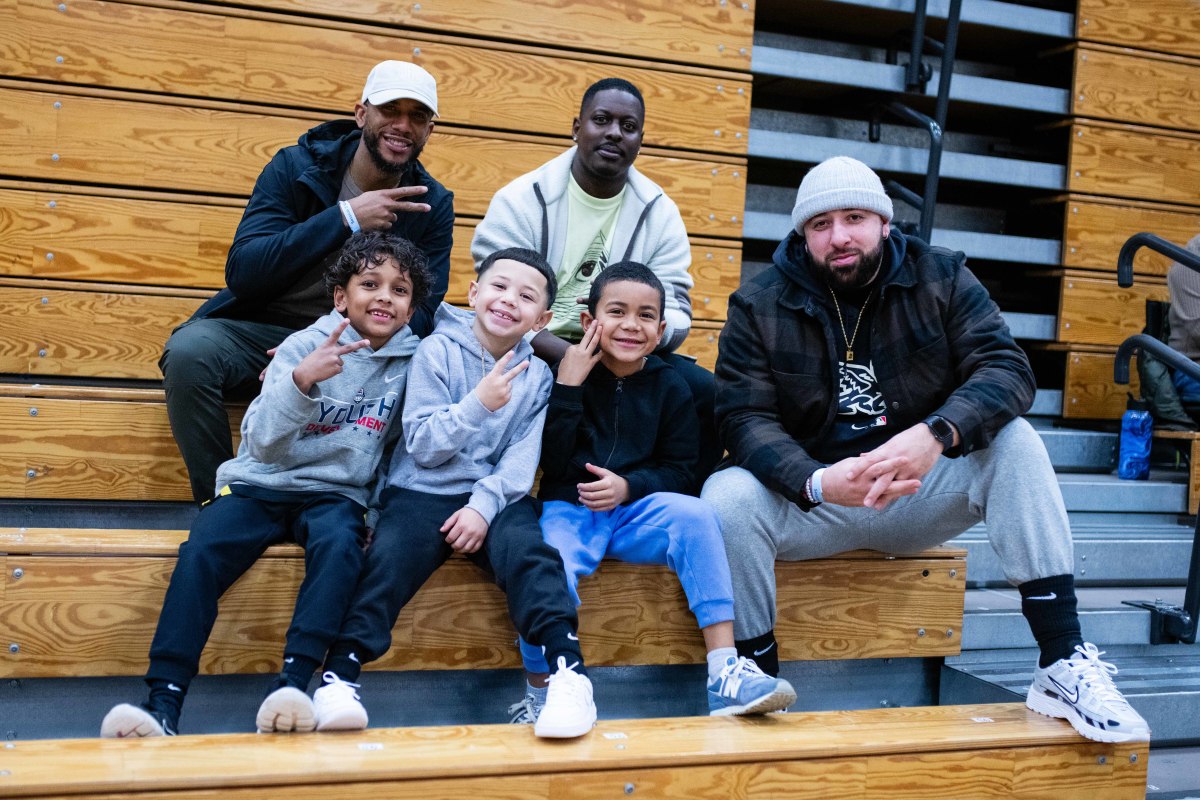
x,y
1093,310
113,138
961,752
1095,228
85,602
305,63
154,240
1134,162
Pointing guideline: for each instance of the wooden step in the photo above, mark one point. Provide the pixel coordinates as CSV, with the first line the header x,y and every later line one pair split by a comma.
x,y
217,147
1134,162
86,601
962,752
1095,229
101,444
1165,26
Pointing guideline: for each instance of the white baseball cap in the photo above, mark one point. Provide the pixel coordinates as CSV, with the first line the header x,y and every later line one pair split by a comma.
x,y
392,80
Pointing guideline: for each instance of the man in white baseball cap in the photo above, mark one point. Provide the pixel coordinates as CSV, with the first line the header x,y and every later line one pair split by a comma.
x,y
341,177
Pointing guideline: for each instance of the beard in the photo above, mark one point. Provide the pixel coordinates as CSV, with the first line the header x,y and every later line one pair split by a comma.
x,y
371,140
856,275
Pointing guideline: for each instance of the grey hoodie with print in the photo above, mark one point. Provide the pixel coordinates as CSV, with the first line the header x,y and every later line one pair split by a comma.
x,y
332,439
452,444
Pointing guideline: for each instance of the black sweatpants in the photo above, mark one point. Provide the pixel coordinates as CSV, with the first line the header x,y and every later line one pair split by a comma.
x,y
408,547
228,536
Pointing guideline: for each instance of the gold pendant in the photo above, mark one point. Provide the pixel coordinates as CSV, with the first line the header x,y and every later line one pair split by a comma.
x,y
849,355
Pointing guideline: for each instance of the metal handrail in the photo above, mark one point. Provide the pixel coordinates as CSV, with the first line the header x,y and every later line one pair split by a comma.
x,y
916,75
1156,243
1168,623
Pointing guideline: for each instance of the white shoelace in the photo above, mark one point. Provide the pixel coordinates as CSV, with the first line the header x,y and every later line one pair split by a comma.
x,y
1095,674
332,680
733,674
567,680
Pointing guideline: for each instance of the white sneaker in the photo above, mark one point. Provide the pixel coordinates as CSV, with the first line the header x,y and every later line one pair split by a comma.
x,y
127,721
1080,690
337,705
569,710
525,712
285,710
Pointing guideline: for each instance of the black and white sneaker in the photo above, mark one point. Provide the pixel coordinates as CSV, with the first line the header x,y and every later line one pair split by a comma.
x,y
127,721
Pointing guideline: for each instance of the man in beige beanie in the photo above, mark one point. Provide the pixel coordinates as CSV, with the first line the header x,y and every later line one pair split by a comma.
x,y
869,395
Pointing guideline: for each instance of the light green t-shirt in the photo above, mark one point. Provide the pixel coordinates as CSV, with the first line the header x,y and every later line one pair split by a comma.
x,y
590,225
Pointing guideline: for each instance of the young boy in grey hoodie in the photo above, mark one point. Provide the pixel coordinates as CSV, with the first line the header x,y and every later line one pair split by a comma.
x,y
459,482
311,444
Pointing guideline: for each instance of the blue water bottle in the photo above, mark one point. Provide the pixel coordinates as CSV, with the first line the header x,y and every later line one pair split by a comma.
x,y
1133,463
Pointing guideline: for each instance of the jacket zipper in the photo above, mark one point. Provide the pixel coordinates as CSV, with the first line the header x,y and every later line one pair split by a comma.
x,y
616,421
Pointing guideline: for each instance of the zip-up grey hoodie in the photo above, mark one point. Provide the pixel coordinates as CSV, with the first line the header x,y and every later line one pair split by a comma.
x,y
452,444
332,439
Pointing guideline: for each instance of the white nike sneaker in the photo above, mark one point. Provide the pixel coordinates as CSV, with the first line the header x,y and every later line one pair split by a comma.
x,y
569,709
285,710
1080,690
337,705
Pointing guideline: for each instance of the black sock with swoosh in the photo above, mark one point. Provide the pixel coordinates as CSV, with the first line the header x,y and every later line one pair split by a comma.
x,y
762,650
1049,606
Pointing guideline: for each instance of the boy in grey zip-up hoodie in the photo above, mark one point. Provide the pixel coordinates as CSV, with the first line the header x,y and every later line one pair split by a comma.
x,y
311,444
459,482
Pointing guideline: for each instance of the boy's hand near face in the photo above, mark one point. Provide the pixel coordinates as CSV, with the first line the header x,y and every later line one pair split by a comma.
x,y
496,387
465,530
577,362
605,493
325,361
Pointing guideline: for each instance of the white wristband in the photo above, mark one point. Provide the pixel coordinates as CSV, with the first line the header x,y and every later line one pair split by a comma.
x,y
816,486
348,215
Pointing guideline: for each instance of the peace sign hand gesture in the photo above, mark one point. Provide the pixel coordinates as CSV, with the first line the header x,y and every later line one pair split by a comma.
x,y
496,387
325,361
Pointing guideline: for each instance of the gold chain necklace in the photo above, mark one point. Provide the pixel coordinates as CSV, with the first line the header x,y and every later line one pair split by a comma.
x,y
862,312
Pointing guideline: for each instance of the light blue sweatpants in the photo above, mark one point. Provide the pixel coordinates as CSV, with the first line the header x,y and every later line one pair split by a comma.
x,y
662,528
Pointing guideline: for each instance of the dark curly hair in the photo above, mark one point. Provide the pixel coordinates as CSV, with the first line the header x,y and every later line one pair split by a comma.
x,y
374,247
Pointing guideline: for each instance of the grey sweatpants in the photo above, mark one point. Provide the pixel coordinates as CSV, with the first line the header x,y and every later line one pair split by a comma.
x,y
1010,486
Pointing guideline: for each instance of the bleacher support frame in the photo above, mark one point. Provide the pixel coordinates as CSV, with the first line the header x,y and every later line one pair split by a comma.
x,y
1169,623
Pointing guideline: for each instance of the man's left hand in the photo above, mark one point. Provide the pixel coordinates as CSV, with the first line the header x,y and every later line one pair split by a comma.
x,y
916,446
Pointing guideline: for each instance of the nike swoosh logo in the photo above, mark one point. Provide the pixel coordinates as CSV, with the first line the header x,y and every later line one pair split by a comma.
x,y
174,688
1051,596
572,637
354,657
390,378
1072,696
288,660
764,651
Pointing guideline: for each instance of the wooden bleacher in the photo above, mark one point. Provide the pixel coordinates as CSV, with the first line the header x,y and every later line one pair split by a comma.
x,y
1133,166
123,172
86,603
959,752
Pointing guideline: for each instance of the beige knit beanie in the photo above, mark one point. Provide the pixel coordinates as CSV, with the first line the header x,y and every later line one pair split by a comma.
x,y
840,182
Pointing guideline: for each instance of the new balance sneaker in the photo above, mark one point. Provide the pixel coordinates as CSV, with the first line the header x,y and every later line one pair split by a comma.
x,y
127,721
285,710
337,705
525,712
742,688
569,710
1080,690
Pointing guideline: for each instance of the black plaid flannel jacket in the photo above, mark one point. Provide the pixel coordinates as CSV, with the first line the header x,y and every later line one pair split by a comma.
x,y
938,346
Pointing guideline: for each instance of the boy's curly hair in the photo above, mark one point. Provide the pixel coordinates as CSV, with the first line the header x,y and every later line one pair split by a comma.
x,y
375,247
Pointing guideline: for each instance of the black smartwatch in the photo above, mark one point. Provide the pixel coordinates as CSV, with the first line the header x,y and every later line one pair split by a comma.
x,y
943,431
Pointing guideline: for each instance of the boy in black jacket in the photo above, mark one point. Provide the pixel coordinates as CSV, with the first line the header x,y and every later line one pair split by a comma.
x,y
618,449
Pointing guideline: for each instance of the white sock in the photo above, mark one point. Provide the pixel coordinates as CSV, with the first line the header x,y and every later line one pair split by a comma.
x,y
717,659
538,693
